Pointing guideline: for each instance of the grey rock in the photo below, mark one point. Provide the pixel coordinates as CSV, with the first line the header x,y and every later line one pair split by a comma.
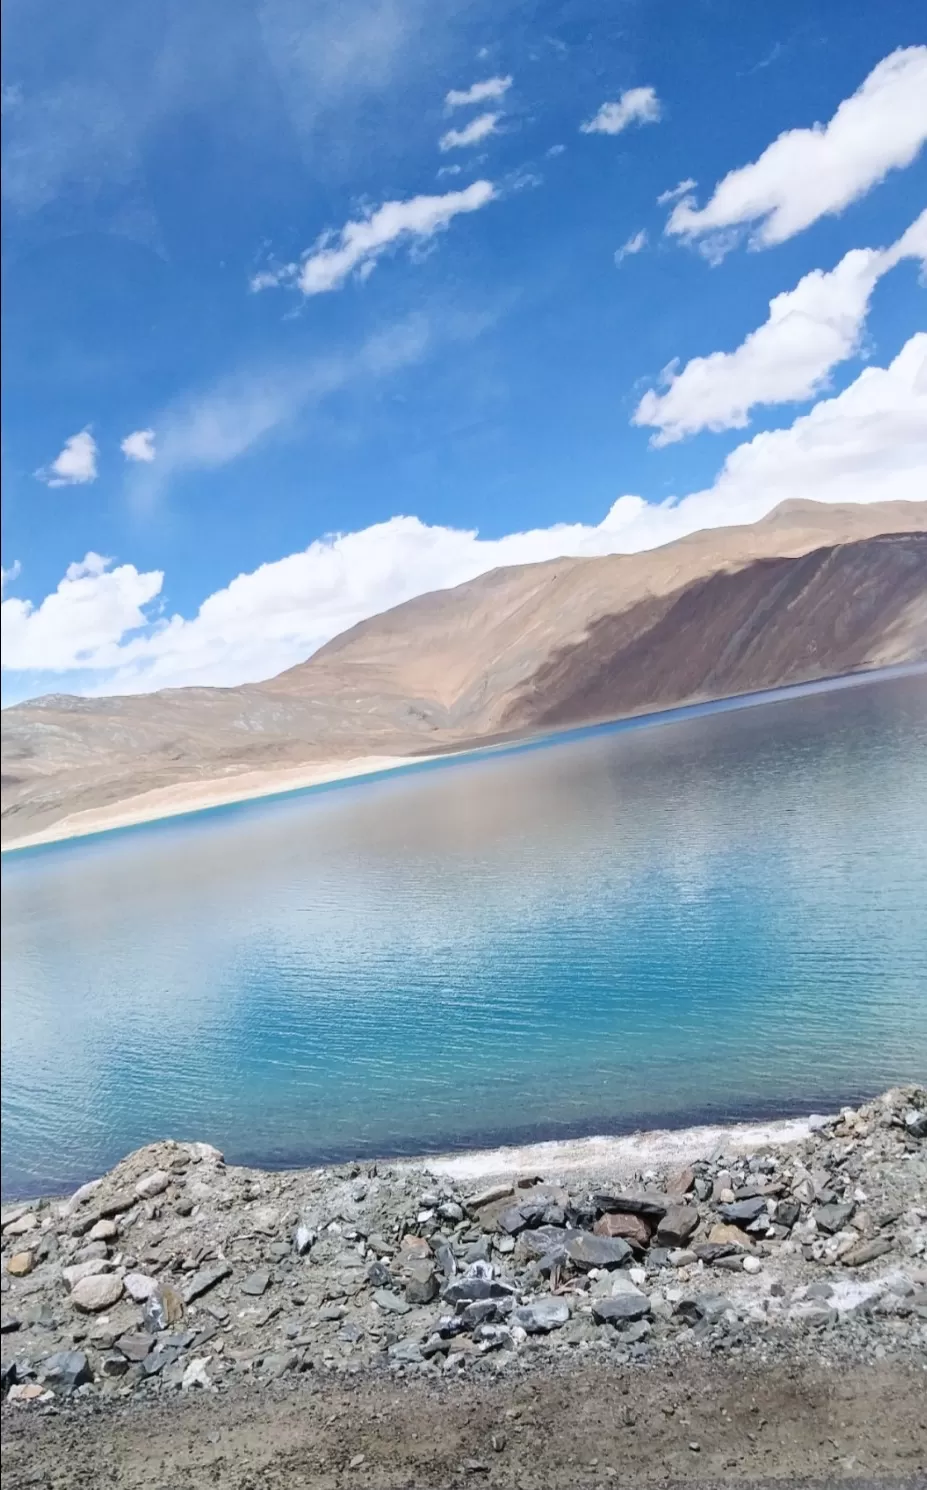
x,y
834,1217
152,1184
163,1307
587,1251
256,1283
649,1203
139,1287
392,1303
278,1363
66,1370
113,1366
204,1279
676,1226
915,1123
468,1290
90,1268
709,1306
9,1324
406,1352
135,1347
620,1309
421,1283
742,1212
379,1275
541,1316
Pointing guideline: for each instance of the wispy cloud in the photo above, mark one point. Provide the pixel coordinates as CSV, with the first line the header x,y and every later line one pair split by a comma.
x,y
487,91
807,174
634,245
471,134
675,192
139,445
355,248
635,106
75,465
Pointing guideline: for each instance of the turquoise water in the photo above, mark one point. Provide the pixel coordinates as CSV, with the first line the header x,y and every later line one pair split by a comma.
x,y
723,914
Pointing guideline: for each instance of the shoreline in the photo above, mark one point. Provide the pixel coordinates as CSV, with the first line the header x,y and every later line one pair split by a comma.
x,y
193,798
177,1291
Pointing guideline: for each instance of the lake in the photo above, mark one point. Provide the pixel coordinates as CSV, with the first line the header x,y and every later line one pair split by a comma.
x,y
720,914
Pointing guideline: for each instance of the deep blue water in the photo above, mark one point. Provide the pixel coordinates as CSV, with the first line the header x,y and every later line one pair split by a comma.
x,y
724,913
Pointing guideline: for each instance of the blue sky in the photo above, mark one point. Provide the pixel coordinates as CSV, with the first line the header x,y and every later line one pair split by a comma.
x,y
399,272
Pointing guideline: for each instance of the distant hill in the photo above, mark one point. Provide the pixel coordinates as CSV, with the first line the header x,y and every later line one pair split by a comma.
x,y
811,591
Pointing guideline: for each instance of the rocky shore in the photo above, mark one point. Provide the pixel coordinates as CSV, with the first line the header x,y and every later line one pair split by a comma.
x,y
178,1278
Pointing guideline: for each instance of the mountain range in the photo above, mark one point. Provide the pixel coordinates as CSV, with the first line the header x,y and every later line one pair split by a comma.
x,y
812,590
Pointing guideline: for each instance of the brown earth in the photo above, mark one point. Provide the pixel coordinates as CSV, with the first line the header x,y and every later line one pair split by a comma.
x,y
811,591
583,1427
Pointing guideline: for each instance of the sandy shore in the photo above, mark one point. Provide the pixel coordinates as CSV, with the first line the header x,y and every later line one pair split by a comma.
x,y
188,797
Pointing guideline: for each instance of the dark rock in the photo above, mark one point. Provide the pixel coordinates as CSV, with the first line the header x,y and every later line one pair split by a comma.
x,y
540,1240
113,1366
712,1252
469,1290
446,1261
699,1306
649,1203
915,1123
742,1212
204,1279
787,1213
621,1309
834,1217
585,1250
66,1370
9,1324
676,1227
517,1217
159,1360
379,1275
541,1316
256,1284
8,1374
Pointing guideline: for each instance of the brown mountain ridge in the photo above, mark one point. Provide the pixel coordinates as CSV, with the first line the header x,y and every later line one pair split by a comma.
x,y
811,591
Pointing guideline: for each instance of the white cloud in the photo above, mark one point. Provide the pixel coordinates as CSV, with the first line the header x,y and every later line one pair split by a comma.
x,y
139,445
358,245
675,192
83,622
635,106
635,243
809,330
75,465
471,134
810,173
867,443
490,89
8,576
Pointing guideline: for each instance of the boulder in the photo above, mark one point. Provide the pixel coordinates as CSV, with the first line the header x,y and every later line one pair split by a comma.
x,y
94,1294
649,1203
66,1370
152,1184
742,1212
20,1264
622,1308
833,1217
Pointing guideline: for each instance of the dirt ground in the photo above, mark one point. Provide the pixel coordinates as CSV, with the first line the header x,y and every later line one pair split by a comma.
x,y
708,1425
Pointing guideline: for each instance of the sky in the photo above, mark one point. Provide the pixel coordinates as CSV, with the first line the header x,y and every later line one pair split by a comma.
x,y
314,307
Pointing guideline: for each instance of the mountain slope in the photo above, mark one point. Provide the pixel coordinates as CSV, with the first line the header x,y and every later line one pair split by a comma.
x,y
810,591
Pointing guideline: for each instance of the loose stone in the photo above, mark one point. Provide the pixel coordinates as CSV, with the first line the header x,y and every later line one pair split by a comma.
x,y
92,1295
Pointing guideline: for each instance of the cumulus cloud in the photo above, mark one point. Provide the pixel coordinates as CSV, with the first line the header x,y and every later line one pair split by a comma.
x,y
9,576
809,330
357,246
867,443
489,90
635,106
635,243
84,623
810,173
76,464
139,445
471,134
